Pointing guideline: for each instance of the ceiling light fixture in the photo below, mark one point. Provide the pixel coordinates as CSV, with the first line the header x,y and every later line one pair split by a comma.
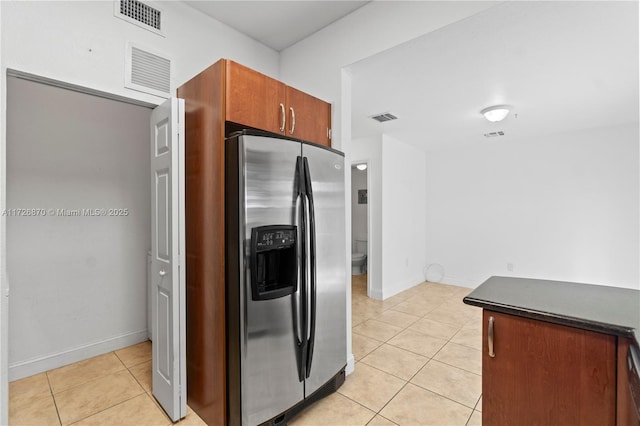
x,y
495,113
361,167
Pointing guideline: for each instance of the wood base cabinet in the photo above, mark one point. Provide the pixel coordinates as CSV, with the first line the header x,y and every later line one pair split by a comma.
x,y
223,98
539,373
626,411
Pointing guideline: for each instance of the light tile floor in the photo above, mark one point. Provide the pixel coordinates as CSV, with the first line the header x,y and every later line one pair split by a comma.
x,y
110,389
418,362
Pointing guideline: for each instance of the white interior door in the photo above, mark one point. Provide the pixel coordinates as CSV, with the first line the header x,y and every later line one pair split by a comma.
x,y
167,257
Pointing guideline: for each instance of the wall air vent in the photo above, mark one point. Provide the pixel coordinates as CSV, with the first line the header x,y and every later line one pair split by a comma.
x,y
147,71
386,116
494,134
139,13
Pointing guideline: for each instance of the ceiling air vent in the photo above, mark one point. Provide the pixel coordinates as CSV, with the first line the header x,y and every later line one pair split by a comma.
x,y
141,14
386,116
494,134
147,71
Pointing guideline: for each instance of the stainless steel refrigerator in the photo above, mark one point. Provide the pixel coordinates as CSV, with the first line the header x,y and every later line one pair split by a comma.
x,y
285,274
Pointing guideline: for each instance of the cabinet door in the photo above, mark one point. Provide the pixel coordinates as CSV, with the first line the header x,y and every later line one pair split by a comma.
x,y
254,100
547,374
308,118
625,407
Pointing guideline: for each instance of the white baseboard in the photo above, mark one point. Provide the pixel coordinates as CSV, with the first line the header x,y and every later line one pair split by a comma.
x,y
351,365
399,287
460,282
28,368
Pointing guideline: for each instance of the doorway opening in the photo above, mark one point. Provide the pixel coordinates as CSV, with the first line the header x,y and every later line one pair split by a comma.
x,y
360,258
78,228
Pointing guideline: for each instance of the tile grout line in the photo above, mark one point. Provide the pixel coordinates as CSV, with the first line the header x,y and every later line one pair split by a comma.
x,y
429,359
55,404
105,409
99,378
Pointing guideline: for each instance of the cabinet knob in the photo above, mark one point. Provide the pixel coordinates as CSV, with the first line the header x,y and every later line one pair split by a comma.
x,y
490,337
284,118
293,120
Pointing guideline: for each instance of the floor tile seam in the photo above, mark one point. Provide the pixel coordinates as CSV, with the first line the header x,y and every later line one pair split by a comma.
x,y
382,341
391,399
359,403
404,327
29,389
362,335
129,367
122,361
29,401
455,366
430,335
401,348
450,324
466,346
102,376
387,419
138,381
444,396
55,404
471,415
409,350
104,409
157,405
386,372
451,365
460,368
478,402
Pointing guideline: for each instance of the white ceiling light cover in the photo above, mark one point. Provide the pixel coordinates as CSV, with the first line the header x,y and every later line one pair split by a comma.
x,y
495,113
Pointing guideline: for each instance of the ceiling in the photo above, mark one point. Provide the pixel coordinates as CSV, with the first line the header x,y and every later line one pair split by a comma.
x,y
562,66
277,24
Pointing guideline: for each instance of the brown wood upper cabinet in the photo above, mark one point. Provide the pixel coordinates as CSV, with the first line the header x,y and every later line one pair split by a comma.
x,y
256,100
219,100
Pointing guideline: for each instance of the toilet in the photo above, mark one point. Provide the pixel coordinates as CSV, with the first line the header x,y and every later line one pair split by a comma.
x,y
359,258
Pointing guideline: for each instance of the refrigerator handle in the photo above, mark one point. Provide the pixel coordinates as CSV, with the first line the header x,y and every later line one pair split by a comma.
x,y
301,321
312,264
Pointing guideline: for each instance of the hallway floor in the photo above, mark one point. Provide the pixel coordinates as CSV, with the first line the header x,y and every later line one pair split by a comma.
x,y
418,362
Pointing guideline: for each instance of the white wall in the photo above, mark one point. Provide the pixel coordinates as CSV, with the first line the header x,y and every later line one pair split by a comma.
x,y
397,209
359,223
561,207
403,216
317,65
314,63
76,282
82,43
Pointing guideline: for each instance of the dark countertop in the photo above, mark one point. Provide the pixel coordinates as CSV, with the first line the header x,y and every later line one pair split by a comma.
x,y
611,310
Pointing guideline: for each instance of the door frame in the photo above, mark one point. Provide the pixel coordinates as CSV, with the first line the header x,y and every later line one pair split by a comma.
x,y
366,161
4,276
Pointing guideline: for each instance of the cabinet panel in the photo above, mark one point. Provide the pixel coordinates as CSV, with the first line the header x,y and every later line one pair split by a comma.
x,y
308,117
253,99
626,413
205,250
547,374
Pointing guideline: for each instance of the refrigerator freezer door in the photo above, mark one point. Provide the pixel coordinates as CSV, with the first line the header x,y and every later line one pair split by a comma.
x,y
270,382
326,169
